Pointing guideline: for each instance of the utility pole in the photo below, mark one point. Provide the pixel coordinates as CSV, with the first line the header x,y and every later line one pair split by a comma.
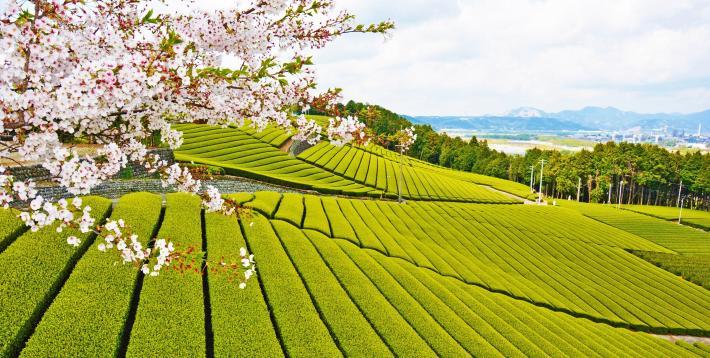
x,y
680,214
579,187
621,192
532,171
679,189
542,167
611,186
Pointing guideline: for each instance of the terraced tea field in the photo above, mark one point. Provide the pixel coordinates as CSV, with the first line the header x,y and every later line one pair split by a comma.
x,y
455,271
365,166
690,258
324,168
242,154
352,277
507,186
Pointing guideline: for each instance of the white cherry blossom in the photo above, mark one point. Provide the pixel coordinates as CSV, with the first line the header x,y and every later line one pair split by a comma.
x,y
115,73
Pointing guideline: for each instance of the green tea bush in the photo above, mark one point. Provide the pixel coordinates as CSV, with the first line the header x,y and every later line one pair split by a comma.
x,y
694,268
353,333
444,332
170,315
103,290
298,322
394,330
11,227
291,209
241,324
34,269
315,217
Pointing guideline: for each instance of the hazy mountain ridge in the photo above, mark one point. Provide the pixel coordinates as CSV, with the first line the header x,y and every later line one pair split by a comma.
x,y
500,123
589,118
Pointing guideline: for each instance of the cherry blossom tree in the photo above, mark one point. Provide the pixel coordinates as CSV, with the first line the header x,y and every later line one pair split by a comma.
x,y
405,138
115,72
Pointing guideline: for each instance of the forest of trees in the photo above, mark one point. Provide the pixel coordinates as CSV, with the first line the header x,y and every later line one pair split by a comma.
x,y
650,174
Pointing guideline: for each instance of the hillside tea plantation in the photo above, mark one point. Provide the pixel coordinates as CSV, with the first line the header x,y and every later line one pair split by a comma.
x,y
344,270
325,168
696,218
343,276
176,182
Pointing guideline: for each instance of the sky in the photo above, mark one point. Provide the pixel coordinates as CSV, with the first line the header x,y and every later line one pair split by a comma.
x,y
474,57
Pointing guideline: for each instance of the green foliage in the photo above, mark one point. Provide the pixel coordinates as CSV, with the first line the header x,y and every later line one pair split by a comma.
x,y
126,173
265,201
240,317
376,167
315,217
299,325
170,315
291,209
443,330
338,222
247,153
11,227
646,166
569,263
359,171
240,198
34,269
467,279
354,334
394,330
696,218
678,238
694,268
97,295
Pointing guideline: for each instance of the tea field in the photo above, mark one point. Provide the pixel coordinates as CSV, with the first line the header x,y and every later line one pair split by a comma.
x,y
696,218
679,238
344,270
691,246
347,170
339,276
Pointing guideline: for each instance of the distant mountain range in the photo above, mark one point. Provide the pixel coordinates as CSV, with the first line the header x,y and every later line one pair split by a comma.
x,y
588,118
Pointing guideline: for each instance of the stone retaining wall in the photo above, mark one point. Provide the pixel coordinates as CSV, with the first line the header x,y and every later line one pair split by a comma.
x,y
118,188
298,147
38,173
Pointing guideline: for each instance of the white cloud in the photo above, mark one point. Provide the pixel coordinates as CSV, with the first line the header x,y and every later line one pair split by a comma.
x,y
488,56
474,57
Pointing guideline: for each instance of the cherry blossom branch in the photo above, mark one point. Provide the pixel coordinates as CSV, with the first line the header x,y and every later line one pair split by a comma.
x,y
117,72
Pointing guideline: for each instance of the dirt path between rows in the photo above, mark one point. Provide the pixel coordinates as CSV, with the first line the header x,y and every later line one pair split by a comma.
x,y
286,147
525,201
689,339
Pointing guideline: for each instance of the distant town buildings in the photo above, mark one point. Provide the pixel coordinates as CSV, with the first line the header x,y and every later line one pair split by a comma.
x,y
671,138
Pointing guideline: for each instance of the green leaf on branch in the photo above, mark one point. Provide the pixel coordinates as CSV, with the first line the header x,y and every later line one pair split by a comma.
x,y
149,19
